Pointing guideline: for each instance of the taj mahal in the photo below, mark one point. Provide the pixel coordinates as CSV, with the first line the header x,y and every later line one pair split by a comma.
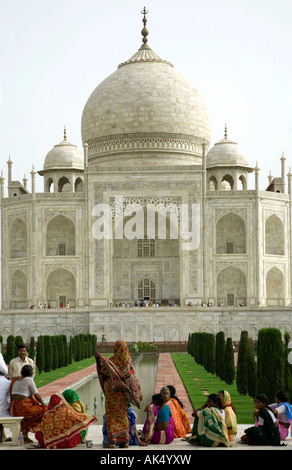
x,y
146,231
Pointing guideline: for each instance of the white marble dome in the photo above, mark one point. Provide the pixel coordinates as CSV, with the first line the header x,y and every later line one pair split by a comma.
x,y
146,106
64,156
226,153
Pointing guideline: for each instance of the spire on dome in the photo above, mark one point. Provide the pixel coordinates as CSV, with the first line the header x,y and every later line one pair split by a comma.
x,y
225,132
144,31
145,53
65,133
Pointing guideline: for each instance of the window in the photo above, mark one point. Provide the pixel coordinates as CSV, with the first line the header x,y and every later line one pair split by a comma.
x,y
62,300
229,247
146,289
230,299
146,248
62,249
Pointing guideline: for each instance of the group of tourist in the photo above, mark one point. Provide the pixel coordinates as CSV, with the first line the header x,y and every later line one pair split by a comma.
x,y
64,422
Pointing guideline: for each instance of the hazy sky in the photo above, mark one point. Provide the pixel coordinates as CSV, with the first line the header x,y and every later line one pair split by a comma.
x,y
53,54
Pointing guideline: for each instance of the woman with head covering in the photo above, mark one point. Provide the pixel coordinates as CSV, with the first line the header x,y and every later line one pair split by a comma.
x,y
209,429
61,425
177,408
180,419
230,415
72,398
120,386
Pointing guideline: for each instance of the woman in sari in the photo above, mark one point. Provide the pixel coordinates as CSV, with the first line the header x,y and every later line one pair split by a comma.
x,y
230,415
159,426
134,439
283,411
209,429
180,419
120,386
61,425
266,432
27,402
72,398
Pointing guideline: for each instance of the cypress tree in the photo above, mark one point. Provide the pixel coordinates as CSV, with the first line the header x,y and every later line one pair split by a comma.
x,y
66,351
32,348
241,373
270,362
251,370
60,347
48,353
10,349
220,354
55,363
229,362
18,341
40,354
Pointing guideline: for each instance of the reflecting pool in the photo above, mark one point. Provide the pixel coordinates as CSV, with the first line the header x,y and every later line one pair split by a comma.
x,y
90,393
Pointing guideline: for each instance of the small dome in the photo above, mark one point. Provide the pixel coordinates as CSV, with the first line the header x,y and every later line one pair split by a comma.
x,y
226,153
64,156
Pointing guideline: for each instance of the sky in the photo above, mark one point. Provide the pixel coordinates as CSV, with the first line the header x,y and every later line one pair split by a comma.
x,y
54,53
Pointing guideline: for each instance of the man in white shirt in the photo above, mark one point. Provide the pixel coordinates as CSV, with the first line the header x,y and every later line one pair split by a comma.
x,y
15,365
4,395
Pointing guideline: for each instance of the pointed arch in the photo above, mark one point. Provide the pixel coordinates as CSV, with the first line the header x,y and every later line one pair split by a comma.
x,y
230,234
275,287
18,239
274,236
18,290
61,288
60,236
231,286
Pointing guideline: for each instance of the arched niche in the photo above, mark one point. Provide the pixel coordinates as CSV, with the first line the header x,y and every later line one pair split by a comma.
x,y
18,239
18,290
275,287
61,288
231,287
230,234
227,182
145,253
274,236
64,185
60,237
213,183
78,185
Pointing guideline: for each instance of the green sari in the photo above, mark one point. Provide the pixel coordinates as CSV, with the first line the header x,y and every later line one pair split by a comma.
x,y
209,429
268,434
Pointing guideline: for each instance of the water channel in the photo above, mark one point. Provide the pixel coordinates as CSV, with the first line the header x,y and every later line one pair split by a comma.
x,y
90,392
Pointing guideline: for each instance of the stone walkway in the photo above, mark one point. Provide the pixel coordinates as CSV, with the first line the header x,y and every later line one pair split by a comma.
x,y
166,375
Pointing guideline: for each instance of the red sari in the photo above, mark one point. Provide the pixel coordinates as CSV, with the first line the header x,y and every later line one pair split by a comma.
x,y
61,425
120,385
30,409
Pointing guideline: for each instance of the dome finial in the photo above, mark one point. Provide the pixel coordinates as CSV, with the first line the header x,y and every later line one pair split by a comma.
x,y
65,133
144,31
225,132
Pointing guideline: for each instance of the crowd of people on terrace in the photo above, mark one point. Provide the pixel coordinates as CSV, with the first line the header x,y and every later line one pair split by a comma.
x,y
214,423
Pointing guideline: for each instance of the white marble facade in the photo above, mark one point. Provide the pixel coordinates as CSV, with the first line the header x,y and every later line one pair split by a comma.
x,y
146,134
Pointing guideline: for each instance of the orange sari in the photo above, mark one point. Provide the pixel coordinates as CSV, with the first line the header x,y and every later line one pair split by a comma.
x,y
30,409
181,422
120,385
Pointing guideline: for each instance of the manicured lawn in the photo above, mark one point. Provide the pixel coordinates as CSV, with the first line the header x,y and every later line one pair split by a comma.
x,y
197,381
47,377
